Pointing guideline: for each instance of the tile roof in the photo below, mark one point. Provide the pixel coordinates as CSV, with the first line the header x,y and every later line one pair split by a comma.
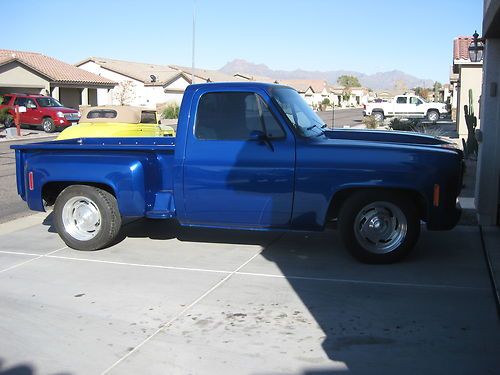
x,y
251,77
55,70
461,47
137,70
301,85
208,75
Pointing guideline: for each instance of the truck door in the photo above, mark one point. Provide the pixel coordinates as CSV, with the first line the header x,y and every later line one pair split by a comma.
x,y
33,112
23,116
401,106
239,162
416,107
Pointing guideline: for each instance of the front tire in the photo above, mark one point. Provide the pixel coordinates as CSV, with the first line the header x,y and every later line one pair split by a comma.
x,y
48,125
8,122
379,226
86,218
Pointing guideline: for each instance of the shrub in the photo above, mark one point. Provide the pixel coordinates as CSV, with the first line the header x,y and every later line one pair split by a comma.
x,y
4,112
326,101
171,111
370,122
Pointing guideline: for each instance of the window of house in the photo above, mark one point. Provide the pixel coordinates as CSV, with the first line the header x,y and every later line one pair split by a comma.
x,y
401,100
234,116
102,113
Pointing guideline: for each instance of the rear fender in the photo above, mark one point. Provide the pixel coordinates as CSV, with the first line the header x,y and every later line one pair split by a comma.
x,y
125,176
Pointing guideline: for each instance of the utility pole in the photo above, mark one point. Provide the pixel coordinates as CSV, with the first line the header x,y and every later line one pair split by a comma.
x,y
194,29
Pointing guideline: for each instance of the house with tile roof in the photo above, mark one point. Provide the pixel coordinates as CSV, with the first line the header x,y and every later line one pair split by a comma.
x,y
35,73
207,75
466,80
150,84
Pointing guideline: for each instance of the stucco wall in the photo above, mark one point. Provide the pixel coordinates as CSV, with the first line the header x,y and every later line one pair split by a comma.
x,y
147,96
70,97
16,75
471,77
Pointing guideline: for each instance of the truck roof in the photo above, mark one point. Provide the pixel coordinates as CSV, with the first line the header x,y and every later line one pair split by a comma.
x,y
247,85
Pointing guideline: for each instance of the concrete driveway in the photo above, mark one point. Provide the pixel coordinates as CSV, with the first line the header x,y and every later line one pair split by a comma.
x,y
167,300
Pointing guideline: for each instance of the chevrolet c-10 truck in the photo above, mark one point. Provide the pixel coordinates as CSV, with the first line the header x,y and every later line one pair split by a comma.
x,y
249,156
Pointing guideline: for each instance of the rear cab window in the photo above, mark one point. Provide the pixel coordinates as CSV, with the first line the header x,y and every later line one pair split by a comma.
x,y
148,117
102,113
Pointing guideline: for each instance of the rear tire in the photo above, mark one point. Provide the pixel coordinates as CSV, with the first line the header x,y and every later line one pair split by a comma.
x,y
379,226
86,218
378,116
48,125
433,116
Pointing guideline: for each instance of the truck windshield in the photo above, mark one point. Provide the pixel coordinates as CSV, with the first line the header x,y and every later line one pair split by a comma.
x,y
301,116
48,102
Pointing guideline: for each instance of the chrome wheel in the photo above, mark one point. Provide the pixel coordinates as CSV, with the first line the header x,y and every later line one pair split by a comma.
x,y
47,126
433,116
380,227
378,116
81,218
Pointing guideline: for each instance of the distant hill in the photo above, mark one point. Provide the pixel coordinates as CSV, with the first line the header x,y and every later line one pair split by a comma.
x,y
377,81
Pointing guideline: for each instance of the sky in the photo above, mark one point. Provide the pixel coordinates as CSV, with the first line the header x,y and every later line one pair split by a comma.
x,y
368,36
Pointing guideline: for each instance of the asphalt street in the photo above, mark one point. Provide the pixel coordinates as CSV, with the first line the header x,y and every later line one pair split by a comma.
x,y
11,205
343,117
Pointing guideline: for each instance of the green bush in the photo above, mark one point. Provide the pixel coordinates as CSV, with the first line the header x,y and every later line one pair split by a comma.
x,y
4,112
403,125
326,101
171,111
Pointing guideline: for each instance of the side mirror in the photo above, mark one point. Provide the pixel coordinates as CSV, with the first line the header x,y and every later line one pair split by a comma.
x,y
257,135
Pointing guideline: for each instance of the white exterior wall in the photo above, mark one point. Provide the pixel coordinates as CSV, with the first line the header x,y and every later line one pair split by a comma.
x,y
488,166
148,96
471,77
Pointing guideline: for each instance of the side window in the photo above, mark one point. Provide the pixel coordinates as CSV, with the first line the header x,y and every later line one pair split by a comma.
x,y
30,103
148,117
5,99
20,101
234,116
401,100
415,100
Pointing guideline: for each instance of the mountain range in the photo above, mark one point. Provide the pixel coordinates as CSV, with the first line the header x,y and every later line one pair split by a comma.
x,y
378,81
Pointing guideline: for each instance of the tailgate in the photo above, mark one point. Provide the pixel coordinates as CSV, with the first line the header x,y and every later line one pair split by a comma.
x,y
20,175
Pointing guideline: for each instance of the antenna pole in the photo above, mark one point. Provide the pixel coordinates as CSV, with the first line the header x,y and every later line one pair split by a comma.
x,y
193,44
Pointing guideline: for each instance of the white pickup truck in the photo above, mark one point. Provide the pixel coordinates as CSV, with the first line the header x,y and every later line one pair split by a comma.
x,y
407,106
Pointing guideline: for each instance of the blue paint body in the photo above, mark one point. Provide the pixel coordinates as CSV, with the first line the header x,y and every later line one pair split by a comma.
x,y
286,183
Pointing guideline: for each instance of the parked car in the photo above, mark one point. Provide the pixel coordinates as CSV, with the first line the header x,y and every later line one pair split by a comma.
x,y
117,121
249,156
41,110
407,106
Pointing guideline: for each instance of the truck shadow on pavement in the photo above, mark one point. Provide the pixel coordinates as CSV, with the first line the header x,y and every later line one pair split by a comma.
x,y
364,311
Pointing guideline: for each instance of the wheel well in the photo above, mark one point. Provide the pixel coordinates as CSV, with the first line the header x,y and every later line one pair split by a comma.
x,y
433,110
51,190
341,196
378,110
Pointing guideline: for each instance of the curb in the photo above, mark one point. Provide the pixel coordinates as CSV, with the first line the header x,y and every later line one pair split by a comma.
x,y
25,138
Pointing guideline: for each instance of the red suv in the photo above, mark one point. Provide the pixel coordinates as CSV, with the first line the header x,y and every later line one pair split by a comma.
x,y
40,111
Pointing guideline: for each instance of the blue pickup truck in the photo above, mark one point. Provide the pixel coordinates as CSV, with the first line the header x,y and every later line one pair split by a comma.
x,y
249,156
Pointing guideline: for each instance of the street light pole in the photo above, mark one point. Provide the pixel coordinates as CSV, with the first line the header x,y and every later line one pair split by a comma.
x,y
194,29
